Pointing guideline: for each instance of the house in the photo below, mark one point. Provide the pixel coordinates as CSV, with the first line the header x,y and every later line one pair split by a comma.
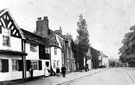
x,y
89,58
12,53
67,52
69,59
42,29
38,57
95,57
104,60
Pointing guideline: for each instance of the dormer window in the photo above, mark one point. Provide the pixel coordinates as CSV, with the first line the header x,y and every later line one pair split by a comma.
x,y
6,36
33,47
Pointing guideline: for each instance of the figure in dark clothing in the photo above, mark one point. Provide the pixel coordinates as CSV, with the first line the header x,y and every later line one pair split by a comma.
x,y
52,73
86,68
31,72
63,71
58,71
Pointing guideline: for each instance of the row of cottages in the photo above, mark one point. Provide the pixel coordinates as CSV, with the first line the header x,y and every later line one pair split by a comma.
x,y
21,50
61,54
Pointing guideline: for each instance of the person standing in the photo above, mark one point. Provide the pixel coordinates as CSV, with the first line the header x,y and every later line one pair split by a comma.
x,y
31,72
57,71
52,73
63,71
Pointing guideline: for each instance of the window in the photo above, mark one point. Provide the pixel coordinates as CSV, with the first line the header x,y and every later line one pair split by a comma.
x,y
34,64
6,36
67,53
47,64
55,50
6,41
39,65
15,65
54,65
47,50
5,65
57,63
5,31
33,47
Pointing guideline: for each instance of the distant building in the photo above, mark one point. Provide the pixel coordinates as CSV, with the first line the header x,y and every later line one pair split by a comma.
x,y
113,62
95,58
69,59
104,60
68,55
89,58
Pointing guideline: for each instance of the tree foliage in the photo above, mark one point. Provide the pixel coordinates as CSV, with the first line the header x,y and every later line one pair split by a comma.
x,y
82,40
128,44
83,34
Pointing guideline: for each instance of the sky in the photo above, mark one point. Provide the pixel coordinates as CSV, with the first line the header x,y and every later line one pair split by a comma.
x,y
108,20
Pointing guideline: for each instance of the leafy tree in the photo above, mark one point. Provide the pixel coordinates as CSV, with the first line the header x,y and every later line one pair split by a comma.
x,y
128,48
82,40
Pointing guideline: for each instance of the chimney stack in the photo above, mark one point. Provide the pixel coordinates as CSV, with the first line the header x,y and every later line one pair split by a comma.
x,y
59,31
42,26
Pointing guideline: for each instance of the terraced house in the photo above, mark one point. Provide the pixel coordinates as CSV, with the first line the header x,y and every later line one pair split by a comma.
x,y
21,50
12,54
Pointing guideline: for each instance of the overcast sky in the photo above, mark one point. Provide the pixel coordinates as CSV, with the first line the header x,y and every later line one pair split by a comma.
x,y
107,20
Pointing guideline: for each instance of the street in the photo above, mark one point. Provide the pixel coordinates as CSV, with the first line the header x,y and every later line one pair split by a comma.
x,y
111,76
115,76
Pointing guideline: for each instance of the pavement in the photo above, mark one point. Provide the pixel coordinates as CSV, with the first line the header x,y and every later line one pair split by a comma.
x,y
55,80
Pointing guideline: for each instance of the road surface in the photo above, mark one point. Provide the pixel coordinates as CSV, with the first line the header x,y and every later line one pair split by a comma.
x,y
111,76
114,76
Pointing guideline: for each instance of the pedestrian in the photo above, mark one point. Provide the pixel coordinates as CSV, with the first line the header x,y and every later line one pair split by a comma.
x,y
52,73
58,71
31,72
63,71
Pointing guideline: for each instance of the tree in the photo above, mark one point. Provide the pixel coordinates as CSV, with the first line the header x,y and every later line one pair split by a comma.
x,y
83,41
128,49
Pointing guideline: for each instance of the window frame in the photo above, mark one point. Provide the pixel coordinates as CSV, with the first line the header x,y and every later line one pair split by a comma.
x,y
6,36
55,50
15,65
34,64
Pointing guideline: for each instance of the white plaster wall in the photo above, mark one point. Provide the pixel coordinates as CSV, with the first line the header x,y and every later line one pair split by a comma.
x,y
44,68
31,55
15,44
11,75
57,57
40,72
89,64
105,61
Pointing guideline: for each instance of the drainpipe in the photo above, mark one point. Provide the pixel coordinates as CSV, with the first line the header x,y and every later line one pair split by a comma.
x,y
23,60
50,57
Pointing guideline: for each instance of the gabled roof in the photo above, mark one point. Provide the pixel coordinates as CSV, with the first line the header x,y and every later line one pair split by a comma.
x,y
33,38
51,40
6,20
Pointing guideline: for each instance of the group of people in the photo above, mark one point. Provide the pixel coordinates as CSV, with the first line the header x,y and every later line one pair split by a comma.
x,y
58,72
52,72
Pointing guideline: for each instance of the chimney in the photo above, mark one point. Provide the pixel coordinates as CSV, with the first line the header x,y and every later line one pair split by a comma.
x,y
59,31
42,26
